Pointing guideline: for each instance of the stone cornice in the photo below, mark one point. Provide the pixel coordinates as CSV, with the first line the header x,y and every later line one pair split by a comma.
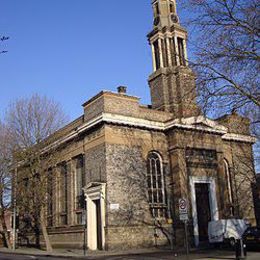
x,y
200,124
239,138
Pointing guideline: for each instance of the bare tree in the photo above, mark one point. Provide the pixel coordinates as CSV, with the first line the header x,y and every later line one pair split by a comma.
x,y
2,39
31,122
227,57
5,181
225,39
131,176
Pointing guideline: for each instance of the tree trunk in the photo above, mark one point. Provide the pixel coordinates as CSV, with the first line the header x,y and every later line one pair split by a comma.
x,y
45,233
5,232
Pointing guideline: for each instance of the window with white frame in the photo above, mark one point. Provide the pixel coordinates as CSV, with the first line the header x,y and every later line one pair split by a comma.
x,y
156,186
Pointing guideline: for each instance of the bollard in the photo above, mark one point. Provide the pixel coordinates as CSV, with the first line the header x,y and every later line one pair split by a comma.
x,y
240,250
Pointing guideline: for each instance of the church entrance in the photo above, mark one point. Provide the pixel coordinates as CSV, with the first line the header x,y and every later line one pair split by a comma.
x,y
204,206
98,224
203,209
95,200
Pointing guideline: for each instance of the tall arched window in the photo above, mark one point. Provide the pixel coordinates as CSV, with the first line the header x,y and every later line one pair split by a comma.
x,y
156,187
229,186
172,9
156,9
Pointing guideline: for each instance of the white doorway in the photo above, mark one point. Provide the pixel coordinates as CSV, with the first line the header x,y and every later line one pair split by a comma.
x,y
212,201
95,200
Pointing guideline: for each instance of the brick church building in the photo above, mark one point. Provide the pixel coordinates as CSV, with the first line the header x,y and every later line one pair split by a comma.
x,y
135,162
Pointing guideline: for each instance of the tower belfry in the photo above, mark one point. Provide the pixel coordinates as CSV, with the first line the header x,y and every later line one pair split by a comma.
x,y
165,13
172,83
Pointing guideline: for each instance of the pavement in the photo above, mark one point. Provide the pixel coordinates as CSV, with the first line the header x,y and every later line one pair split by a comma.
x,y
144,254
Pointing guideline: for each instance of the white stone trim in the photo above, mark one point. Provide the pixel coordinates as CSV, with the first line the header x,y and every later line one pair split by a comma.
x,y
240,138
212,198
196,128
161,53
139,122
153,56
176,50
168,47
201,120
185,52
157,36
191,123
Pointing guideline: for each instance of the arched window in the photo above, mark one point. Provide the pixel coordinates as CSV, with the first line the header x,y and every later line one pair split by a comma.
x,y
180,42
156,187
157,9
157,55
172,9
229,185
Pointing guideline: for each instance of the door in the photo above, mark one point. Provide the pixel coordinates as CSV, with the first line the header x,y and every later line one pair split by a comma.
x,y
203,209
99,224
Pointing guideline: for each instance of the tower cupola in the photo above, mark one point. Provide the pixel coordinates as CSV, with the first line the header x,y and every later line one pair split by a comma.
x,y
168,38
172,82
165,13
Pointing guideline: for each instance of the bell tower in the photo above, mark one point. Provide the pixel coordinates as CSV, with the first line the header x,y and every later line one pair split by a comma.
x,y
165,13
172,82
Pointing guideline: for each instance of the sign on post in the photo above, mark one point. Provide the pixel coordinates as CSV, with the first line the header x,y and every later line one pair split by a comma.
x,y
183,209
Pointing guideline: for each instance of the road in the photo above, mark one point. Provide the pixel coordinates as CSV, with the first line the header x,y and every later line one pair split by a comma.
x,y
207,255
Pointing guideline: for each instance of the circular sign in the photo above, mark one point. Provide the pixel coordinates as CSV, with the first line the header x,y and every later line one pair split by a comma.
x,y
183,204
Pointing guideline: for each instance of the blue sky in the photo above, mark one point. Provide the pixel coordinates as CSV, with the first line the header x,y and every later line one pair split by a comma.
x,y
69,50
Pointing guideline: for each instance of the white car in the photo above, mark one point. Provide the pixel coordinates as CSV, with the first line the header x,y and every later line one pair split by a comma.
x,y
226,230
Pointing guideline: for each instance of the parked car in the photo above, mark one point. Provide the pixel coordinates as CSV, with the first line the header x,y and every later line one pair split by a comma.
x,y
251,237
226,231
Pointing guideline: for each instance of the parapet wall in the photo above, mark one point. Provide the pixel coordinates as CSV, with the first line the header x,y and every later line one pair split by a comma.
x,y
121,104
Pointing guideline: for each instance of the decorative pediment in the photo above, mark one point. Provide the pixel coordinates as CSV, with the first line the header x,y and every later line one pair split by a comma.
x,y
201,122
94,190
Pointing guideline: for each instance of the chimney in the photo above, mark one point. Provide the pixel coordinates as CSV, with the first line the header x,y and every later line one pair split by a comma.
x,y
121,90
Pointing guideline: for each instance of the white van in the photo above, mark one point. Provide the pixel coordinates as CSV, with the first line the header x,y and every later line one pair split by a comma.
x,y
224,230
